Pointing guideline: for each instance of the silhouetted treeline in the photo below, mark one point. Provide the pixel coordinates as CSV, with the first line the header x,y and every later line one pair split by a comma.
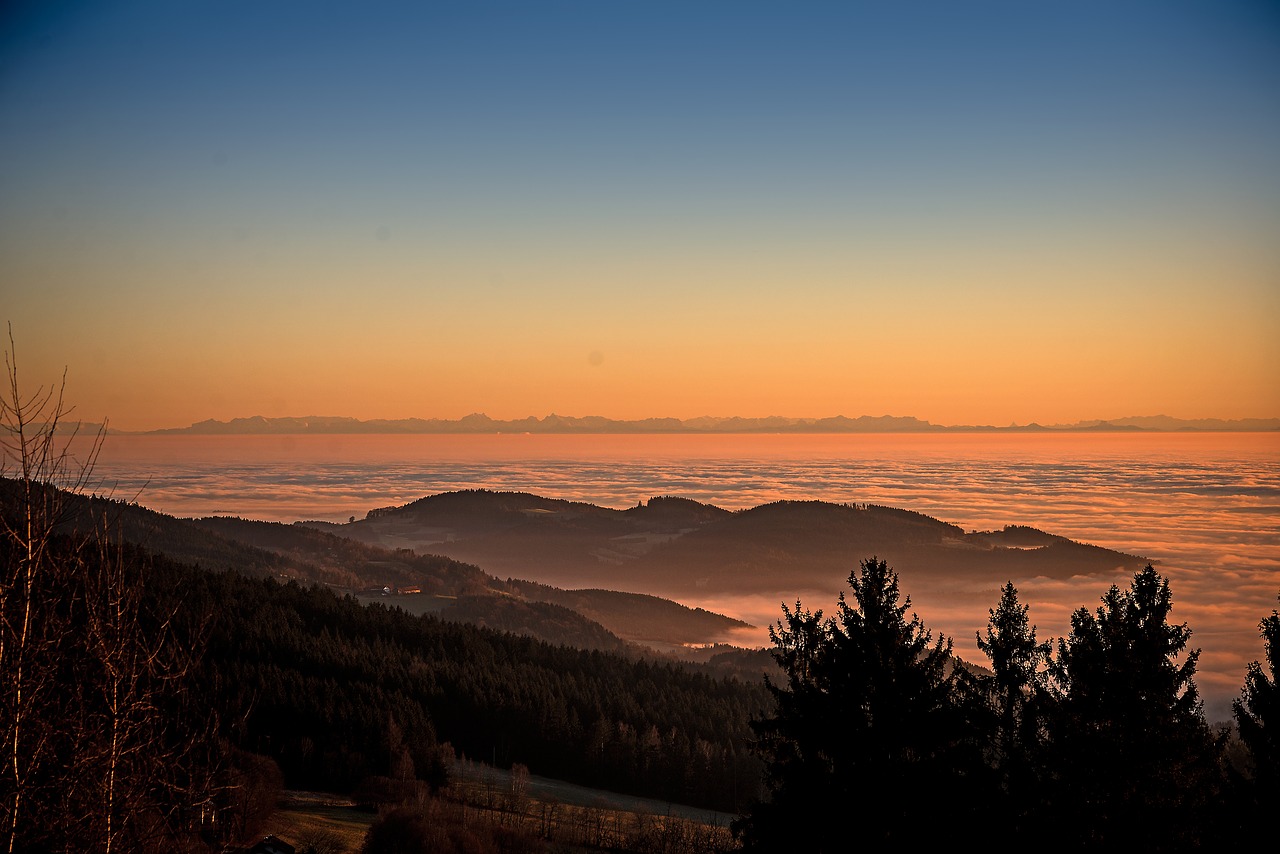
x,y
1100,744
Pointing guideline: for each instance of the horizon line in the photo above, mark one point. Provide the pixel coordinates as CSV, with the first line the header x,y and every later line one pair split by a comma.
x,y
553,423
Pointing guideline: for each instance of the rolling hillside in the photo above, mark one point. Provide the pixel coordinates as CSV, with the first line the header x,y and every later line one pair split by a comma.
x,y
674,547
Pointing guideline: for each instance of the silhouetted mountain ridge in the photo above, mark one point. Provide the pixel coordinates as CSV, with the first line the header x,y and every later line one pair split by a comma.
x,y
593,424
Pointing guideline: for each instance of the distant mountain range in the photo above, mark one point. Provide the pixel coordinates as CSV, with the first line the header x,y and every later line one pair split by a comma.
x,y
560,424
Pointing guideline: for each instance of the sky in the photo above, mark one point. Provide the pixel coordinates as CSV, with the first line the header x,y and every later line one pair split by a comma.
x,y
971,213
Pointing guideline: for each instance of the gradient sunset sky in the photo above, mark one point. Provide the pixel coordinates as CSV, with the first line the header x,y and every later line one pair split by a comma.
x,y
969,212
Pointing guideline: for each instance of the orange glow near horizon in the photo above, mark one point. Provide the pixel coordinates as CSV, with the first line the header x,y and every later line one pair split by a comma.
x,y
153,375
952,336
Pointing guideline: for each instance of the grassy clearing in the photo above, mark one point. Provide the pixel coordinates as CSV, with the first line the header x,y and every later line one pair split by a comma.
x,y
479,783
414,603
330,823
534,814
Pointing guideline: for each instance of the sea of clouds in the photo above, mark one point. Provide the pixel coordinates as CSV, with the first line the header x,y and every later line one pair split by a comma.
x,y
1204,507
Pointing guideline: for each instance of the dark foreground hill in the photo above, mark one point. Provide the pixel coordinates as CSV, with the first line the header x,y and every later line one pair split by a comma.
x,y
674,547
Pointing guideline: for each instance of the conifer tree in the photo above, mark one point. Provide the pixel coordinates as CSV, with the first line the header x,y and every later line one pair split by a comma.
x,y
1137,765
1016,694
1257,714
866,725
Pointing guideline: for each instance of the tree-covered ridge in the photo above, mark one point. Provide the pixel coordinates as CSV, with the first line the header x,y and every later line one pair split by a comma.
x,y
676,548
312,554
488,600
634,616
324,556
127,521
318,678
545,621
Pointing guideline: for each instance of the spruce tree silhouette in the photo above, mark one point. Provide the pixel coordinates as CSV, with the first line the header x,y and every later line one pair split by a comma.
x,y
1257,714
1137,766
1015,695
867,728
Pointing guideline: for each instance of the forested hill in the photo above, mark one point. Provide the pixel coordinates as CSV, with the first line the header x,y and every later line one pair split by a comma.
x,y
261,548
634,615
675,547
480,598
323,556
337,692
128,521
461,591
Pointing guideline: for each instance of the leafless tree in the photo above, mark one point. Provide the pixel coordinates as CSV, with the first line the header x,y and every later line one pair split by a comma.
x,y
40,467
518,800
105,746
